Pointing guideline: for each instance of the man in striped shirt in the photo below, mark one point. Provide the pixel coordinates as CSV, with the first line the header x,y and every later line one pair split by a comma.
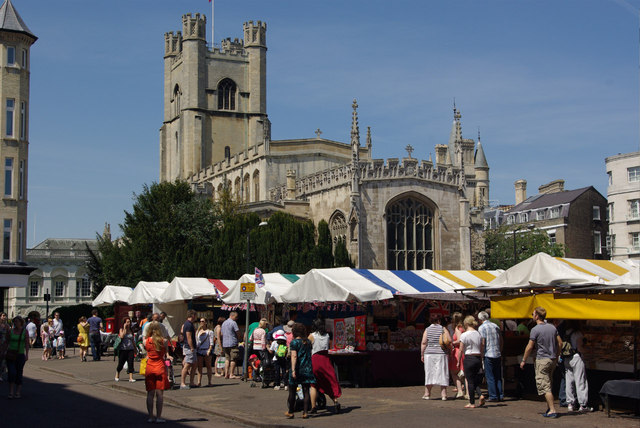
x,y
492,344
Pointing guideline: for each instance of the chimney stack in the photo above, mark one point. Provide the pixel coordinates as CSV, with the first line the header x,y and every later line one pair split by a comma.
x,y
521,191
555,186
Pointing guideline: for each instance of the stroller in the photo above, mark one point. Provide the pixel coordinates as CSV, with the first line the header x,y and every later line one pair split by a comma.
x,y
106,341
268,373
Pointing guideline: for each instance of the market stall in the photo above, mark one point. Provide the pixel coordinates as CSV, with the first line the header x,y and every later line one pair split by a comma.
x,y
111,294
607,312
275,285
147,292
182,292
377,316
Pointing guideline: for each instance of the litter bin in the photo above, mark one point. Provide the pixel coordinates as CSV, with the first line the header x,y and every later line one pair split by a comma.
x,y
109,324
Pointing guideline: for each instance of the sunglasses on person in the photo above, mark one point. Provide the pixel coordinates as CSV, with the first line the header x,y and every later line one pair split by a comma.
x,y
204,321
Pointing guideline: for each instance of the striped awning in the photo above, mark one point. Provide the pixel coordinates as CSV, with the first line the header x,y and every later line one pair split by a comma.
x,y
605,269
275,284
362,285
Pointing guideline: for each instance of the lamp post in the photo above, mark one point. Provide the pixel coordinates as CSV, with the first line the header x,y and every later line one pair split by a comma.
x,y
246,325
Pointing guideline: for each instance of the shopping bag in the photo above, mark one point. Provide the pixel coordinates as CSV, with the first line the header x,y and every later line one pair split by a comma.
x,y
143,366
220,362
126,366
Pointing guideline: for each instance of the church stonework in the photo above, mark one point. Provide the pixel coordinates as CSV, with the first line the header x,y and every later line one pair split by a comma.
x,y
395,214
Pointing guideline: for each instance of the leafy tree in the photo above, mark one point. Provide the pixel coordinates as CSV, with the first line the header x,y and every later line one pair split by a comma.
x,y
167,226
341,255
499,246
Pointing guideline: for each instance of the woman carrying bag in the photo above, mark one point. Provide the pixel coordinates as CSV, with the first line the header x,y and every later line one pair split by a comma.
x,y
16,356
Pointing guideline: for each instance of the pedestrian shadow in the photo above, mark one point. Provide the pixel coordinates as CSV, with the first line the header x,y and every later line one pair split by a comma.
x,y
328,411
88,408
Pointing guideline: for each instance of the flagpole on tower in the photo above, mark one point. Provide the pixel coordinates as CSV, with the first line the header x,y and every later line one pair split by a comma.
x,y
212,38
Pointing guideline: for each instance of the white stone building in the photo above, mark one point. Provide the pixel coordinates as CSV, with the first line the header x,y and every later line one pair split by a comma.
x,y
623,211
395,214
61,271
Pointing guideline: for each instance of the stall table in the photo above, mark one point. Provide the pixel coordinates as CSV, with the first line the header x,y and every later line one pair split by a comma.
x,y
354,364
620,388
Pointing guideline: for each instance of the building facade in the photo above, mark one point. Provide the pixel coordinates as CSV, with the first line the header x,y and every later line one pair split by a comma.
x,y
574,218
402,213
15,45
61,271
623,210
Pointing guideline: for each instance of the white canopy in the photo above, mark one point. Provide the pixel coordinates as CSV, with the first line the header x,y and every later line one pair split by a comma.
x,y
631,278
541,269
190,288
111,294
275,284
335,285
147,292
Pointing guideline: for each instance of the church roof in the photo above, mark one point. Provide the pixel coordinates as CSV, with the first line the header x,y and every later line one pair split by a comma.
x,y
480,160
10,20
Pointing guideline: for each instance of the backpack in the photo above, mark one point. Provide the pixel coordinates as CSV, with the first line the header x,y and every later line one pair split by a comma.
x,y
281,352
567,350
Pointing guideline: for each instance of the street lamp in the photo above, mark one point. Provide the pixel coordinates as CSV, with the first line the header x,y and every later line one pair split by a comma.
x,y
246,325
530,226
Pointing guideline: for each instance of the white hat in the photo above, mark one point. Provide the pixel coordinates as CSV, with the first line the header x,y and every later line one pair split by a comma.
x,y
279,335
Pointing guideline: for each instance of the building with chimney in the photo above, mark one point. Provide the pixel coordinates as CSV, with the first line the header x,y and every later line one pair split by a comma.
x,y
574,218
399,213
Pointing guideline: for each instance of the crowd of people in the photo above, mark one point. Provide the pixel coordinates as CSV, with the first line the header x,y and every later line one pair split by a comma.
x,y
288,357
469,349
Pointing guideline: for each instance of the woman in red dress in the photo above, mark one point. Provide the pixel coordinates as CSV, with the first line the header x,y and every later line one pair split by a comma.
x,y
155,378
326,380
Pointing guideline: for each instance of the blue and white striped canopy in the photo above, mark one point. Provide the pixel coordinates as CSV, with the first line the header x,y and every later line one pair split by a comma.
x,y
363,285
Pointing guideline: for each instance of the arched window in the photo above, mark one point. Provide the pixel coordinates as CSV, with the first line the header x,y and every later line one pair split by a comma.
x,y
236,188
227,95
176,101
256,186
409,235
338,228
245,188
227,153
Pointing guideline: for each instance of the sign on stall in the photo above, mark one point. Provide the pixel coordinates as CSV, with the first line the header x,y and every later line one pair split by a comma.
x,y
247,291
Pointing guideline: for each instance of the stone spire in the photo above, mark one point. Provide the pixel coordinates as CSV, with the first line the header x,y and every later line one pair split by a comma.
x,y
480,159
355,130
455,137
369,142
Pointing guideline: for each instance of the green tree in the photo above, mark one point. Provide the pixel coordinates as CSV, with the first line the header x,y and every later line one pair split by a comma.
x,y
500,250
167,226
341,255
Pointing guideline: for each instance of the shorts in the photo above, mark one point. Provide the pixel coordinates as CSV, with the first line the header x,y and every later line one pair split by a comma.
x,y
232,354
544,374
189,356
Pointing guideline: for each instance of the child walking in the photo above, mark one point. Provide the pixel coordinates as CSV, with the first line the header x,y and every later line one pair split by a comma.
x,y
60,345
46,342
301,370
279,351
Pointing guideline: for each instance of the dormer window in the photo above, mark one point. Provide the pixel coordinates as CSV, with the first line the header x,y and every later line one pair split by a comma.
x,y
227,95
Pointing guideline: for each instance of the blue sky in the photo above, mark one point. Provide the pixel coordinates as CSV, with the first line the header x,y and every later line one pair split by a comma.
x,y
552,85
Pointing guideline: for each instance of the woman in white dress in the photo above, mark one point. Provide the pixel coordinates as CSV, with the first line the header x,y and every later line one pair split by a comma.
x,y
436,367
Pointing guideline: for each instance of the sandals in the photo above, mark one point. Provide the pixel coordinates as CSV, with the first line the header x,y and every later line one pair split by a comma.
x,y
305,416
288,415
426,397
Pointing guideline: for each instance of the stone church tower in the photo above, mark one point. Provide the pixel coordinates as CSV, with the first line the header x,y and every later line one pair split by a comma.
x,y
215,101
15,42
399,213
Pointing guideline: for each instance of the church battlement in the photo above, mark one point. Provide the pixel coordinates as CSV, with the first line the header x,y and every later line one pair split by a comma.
x,y
375,169
255,34
217,53
235,46
229,164
194,26
172,43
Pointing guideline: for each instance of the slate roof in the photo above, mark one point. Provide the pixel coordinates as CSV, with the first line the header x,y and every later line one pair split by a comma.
x,y
10,20
66,244
549,199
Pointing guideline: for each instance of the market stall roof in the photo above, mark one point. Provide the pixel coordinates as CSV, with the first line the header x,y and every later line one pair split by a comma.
x,y
190,288
147,292
605,269
111,294
275,284
540,270
594,306
336,285
630,279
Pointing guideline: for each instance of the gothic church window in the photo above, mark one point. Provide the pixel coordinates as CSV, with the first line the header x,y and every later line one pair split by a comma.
x,y
256,186
245,188
227,95
176,101
409,235
236,188
338,228
227,153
